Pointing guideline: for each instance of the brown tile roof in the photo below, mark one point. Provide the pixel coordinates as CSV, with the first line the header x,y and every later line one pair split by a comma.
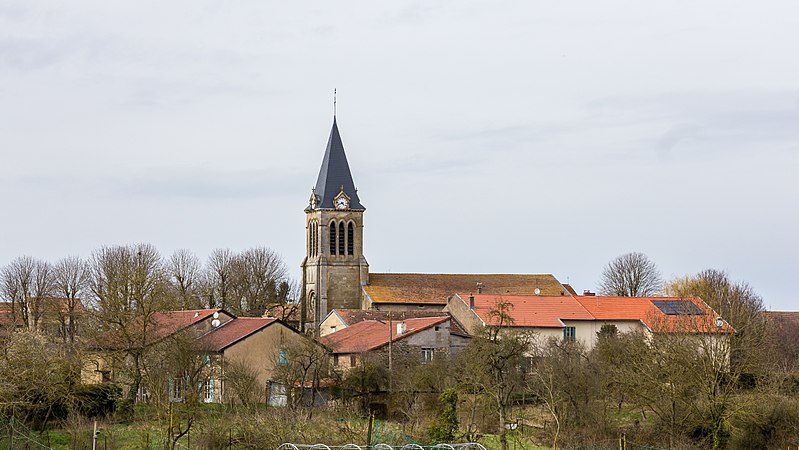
x,y
370,335
434,289
232,331
784,318
7,317
530,310
353,316
642,308
51,305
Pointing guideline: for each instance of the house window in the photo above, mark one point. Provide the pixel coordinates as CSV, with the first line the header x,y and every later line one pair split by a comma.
x,y
336,360
427,355
284,358
209,390
568,334
437,328
176,387
353,361
206,360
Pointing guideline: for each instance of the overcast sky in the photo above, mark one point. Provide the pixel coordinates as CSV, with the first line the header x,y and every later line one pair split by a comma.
x,y
483,136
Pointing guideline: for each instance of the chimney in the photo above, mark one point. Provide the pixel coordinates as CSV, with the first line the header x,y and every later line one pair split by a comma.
x,y
479,288
400,328
588,293
471,301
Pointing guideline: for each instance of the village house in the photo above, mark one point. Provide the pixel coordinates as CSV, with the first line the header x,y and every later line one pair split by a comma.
x,y
412,341
580,318
257,344
217,337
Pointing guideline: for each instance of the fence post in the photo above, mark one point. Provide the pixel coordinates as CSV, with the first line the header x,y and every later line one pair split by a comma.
x,y
370,424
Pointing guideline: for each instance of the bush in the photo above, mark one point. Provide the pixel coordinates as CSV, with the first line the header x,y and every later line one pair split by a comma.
x,y
97,400
774,424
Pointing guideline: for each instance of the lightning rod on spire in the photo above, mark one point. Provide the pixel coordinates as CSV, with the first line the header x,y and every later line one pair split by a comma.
x,y
334,102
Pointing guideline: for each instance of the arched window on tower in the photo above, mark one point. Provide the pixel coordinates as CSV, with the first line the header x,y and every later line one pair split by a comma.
x,y
332,238
316,239
312,307
341,238
310,238
350,239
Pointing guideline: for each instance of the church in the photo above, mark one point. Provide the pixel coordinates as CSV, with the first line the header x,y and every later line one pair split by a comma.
x,y
335,273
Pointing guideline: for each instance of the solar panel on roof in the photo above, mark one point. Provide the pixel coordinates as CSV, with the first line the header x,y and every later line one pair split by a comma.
x,y
677,307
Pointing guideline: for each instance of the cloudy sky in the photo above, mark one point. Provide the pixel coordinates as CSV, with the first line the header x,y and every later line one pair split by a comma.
x,y
484,136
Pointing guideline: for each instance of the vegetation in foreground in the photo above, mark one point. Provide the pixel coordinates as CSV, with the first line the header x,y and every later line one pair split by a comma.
x,y
507,389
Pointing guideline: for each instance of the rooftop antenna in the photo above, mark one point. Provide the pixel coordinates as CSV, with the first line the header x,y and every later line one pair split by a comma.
x,y
334,103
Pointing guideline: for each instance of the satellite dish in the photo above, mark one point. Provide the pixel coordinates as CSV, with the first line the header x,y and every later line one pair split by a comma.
x,y
215,322
216,315
537,291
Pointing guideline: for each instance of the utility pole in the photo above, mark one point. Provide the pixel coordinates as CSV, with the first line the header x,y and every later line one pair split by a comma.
x,y
390,338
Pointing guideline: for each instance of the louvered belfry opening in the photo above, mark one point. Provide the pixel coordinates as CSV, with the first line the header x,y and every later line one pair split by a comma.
x,y
341,238
332,238
350,239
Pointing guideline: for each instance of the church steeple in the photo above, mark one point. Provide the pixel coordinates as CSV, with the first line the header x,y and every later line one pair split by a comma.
x,y
335,176
334,269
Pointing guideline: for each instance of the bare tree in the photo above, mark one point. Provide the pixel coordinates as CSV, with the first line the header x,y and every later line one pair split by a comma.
x,y
220,273
305,364
737,302
493,364
287,306
185,272
71,279
259,273
631,275
28,282
129,285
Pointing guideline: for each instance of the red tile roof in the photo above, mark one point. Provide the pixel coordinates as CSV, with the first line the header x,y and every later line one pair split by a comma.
x,y
167,323
372,334
233,331
642,308
544,312
353,316
434,289
162,325
530,310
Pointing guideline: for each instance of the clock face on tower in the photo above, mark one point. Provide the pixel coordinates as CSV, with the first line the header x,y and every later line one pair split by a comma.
x,y
342,202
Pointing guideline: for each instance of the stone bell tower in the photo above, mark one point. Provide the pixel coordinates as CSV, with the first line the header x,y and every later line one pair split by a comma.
x,y
334,268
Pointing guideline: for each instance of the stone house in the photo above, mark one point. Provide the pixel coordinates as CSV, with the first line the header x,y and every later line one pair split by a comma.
x,y
415,340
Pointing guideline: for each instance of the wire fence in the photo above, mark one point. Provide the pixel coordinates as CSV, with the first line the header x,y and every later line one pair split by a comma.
x,y
464,446
15,435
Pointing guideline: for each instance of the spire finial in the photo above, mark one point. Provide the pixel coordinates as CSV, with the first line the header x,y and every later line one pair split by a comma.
x,y
334,103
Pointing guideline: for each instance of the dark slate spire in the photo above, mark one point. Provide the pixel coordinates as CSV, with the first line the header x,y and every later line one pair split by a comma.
x,y
335,174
